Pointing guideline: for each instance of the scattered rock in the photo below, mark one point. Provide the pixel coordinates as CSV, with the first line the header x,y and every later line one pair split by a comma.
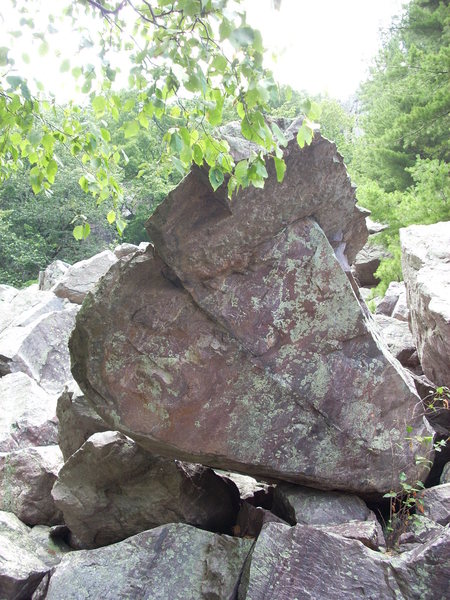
x,y
367,262
298,504
305,562
387,305
52,274
125,250
111,489
77,420
27,415
26,480
83,276
436,503
399,339
426,270
21,569
174,561
40,349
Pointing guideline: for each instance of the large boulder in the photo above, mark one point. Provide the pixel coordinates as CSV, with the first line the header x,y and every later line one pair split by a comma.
x,y
172,561
83,276
40,349
27,477
436,503
426,271
399,339
27,414
111,489
239,343
394,302
52,274
312,564
368,260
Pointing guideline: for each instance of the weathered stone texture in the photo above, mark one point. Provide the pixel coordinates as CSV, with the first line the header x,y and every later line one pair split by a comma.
x,y
426,271
239,342
173,561
111,489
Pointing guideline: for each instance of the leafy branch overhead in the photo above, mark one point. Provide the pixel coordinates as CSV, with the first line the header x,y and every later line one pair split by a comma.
x,y
190,59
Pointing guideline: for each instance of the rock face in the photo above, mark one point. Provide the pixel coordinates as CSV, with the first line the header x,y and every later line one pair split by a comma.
x,y
311,564
399,339
239,342
111,489
77,420
82,277
27,415
436,503
426,270
26,480
172,561
298,504
40,348
21,567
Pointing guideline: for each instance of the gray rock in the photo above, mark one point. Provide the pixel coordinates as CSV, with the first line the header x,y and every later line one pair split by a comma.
x,y
52,274
420,530
77,420
21,569
367,262
387,305
27,414
426,271
51,548
248,486
40,349
251,519
368,533
298,504
445,477
305,562
111,489
26,480
254,352
125,250
436,503
173,561
401,310
19,308
82,277
398,338
374,227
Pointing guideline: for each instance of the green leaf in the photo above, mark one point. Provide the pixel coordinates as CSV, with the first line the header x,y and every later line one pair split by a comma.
x,y
304,135
280,168
130,129
111,216
105,134
99,105
65,66
78,232
242,37
4,56
241,171
225,29
51,170
197,154
216,178
143,120
219,63
43,48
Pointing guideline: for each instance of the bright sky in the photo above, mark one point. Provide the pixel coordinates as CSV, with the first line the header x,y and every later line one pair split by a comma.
x,y
322,45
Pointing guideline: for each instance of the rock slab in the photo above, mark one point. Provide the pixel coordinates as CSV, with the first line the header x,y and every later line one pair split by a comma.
x,y
426,271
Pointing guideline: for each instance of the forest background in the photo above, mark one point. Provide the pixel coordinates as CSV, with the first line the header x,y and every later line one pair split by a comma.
x,y
393,137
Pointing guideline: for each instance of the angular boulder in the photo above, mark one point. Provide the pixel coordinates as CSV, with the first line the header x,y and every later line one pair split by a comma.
x,y
399,339
394,302
298,504
367,262
27,477
82,277
77,420
308,563
27,414
111,489
426,271
436,503
239,343
172,561
52,274
21,567
40,349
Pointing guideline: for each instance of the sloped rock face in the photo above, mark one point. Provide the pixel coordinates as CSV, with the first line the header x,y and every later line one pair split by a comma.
x,y
308,563
26,480
82,277
426,271
40,348
172,561
111,489
27,414
240,344
21,564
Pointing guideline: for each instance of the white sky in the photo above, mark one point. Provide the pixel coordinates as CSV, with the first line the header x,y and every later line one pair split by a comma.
x,y
322,45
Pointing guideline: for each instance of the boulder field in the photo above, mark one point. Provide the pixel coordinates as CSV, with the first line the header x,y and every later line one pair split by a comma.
x,y
237,414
